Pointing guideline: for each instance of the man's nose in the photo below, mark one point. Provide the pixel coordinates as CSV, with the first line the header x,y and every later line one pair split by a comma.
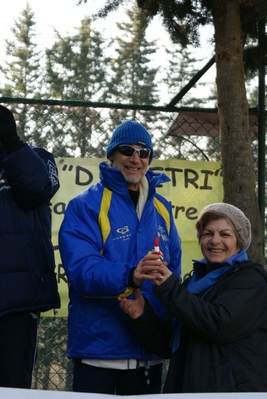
x,y
136,157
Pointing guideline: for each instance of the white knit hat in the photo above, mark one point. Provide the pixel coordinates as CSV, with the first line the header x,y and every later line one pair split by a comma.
x,y
236,216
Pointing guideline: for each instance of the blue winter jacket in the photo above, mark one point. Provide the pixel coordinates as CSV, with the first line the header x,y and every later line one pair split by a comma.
x,y
28,180
101,240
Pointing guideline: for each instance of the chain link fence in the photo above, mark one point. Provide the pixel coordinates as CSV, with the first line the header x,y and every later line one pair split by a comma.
x,y
83,129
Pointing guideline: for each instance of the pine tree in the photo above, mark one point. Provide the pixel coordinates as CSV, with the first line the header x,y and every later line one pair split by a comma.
x,y
76,65
134,79
22,74
76,68
22,68
181,67
178,69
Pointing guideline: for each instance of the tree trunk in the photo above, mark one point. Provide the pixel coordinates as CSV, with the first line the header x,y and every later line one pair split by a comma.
x,y
237,160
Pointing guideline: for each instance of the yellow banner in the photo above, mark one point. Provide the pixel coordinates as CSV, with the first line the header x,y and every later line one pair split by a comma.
x,y
193,185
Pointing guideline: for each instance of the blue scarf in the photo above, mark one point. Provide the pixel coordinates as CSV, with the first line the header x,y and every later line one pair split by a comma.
x,y
199,286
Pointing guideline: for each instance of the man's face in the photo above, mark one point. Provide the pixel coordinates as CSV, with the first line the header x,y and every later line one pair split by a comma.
x,y
132,166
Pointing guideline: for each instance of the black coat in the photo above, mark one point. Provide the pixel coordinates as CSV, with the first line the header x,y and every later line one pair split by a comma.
x,y
223,345
28,181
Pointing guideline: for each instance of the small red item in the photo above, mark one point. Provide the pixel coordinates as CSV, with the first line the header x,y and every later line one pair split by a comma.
x,y
156,249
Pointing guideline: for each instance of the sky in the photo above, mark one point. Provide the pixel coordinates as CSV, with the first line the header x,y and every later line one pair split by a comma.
x,y
62,15
65,16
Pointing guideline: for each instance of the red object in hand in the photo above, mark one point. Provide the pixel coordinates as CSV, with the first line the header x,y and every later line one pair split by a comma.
x,y
156,244
156,249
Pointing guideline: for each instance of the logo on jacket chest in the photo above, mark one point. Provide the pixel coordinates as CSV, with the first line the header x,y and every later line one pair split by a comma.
x,y
123,233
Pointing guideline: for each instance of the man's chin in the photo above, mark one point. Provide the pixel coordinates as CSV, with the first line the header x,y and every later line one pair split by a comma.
x,y
133,184
132,179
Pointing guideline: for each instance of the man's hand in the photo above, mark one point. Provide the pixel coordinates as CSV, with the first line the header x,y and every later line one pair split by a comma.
x,y
133,307
8,130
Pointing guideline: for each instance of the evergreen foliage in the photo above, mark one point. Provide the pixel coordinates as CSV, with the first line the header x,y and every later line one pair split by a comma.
x,y
23,76
77,70
133,76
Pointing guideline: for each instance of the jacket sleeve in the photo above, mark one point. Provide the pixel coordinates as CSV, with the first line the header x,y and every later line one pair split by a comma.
x,y
174,241
154,332
175,249
237,309
32,174
80,243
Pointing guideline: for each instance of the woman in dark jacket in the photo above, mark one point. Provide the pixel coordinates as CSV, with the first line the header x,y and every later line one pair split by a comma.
x,y
215,327
28,283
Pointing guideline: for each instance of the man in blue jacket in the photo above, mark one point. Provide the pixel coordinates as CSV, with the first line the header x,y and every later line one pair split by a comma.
x,y
28,286
106,236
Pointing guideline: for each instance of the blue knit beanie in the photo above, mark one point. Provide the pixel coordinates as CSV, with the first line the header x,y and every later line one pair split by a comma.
x,y
130,132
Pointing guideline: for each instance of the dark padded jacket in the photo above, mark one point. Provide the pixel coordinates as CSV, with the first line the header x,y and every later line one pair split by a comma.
x,y
223,346
28,181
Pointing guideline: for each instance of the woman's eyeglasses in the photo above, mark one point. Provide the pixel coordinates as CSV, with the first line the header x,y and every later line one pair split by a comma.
x,y
129,151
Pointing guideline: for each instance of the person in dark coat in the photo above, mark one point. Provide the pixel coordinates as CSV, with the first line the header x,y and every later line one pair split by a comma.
x,y
28,286
215,326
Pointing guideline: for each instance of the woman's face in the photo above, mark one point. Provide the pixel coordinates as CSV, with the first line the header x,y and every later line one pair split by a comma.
x,y
218,241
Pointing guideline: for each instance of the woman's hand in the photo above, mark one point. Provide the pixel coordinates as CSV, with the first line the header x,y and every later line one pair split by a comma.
x,y
133,307
164,273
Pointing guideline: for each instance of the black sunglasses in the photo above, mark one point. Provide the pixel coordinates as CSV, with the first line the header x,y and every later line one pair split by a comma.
x,y
129,151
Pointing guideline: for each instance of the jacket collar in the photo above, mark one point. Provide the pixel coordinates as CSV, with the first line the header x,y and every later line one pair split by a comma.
x,y
113,179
